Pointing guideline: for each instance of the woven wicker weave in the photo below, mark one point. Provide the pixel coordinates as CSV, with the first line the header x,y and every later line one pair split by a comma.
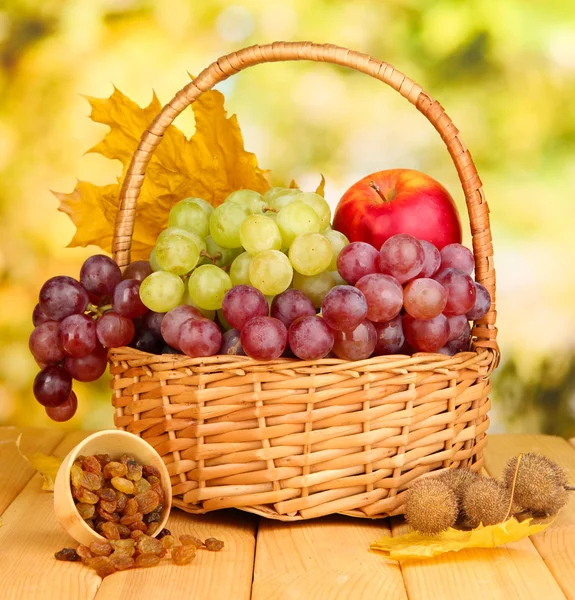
x,y
290,439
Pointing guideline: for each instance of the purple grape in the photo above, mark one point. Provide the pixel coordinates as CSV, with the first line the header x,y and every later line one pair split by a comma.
x,y
291,305
78,335
114,330
401,256
456,256
357,344
61,297
357,260
481,305
264,338
146,341
344,307
64,411
44,343
431,260
457,324
390,338
38,317
199,337
126,299
231,343
137,270
99,275
173,321
153,321
460,343
424,298
427,335
384,296
88,368
460,290
310,338
52,385
167,349
242,303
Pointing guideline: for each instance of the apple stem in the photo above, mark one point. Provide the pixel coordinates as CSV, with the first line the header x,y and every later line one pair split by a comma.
x,y
374,186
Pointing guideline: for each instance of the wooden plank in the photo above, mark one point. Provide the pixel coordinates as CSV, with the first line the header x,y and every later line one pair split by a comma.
x,y
556,544
324,558
28,539
223,575
16,472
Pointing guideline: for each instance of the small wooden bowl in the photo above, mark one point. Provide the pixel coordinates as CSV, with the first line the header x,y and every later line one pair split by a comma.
x,y
114,443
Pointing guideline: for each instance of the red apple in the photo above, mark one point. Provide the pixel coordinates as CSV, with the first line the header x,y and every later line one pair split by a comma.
x,y
398,201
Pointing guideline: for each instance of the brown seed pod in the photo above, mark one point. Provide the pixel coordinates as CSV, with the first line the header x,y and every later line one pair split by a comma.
x,y
486,501
458,480
539,485
431,506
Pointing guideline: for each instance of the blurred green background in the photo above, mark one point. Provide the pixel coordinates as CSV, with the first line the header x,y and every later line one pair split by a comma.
x,y
503,69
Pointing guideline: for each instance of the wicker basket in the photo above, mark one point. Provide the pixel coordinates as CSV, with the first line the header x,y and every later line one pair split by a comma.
x,y
290,439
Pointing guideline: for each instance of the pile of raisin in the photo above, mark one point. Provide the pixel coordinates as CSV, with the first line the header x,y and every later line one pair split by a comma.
x,y
139,550
116,498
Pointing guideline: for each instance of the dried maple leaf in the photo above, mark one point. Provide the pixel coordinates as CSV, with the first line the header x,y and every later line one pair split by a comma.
x,y
417,545
210,165
46,465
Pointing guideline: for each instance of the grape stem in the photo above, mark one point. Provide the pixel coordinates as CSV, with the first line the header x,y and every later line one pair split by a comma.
x,y
270,209
213,258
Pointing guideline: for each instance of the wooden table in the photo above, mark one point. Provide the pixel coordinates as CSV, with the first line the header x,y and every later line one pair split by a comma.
x,y
321,559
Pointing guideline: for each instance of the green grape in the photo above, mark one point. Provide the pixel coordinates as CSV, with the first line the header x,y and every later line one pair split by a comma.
x,y
186,299
191,216
270,272
282,199
294,219
208,285
252,202
310,253
314,287
275,192
339,280
240,269
153,262
227,255
191,235
225,224
177,252
320,206
259,233
223,321
338,243
161,291
328,228
205,206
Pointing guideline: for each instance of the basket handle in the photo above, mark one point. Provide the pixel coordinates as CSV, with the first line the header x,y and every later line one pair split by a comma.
x,y
484,330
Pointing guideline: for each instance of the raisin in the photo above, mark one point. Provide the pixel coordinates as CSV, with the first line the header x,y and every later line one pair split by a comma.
x,y
101,548
90,523
160,491
147,502
102,565
134,470
79,459
147,560
106,516
136,534
115,469
139,525
110,531
121,500
122,562
123,530
163,553
86,496
109,507
168,540
153,479
153,517
126,457
123,485
131,507
213,544
68,554
91,481
190,540
150,470
76,476
87,511
84,552
141,486
125,547
129,519
152,528
182,555
107,494
92,465
163,533
103,459
149,545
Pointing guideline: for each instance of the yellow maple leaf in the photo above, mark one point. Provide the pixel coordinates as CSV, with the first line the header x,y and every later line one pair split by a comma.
x,y
417,545
46,465
210,165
